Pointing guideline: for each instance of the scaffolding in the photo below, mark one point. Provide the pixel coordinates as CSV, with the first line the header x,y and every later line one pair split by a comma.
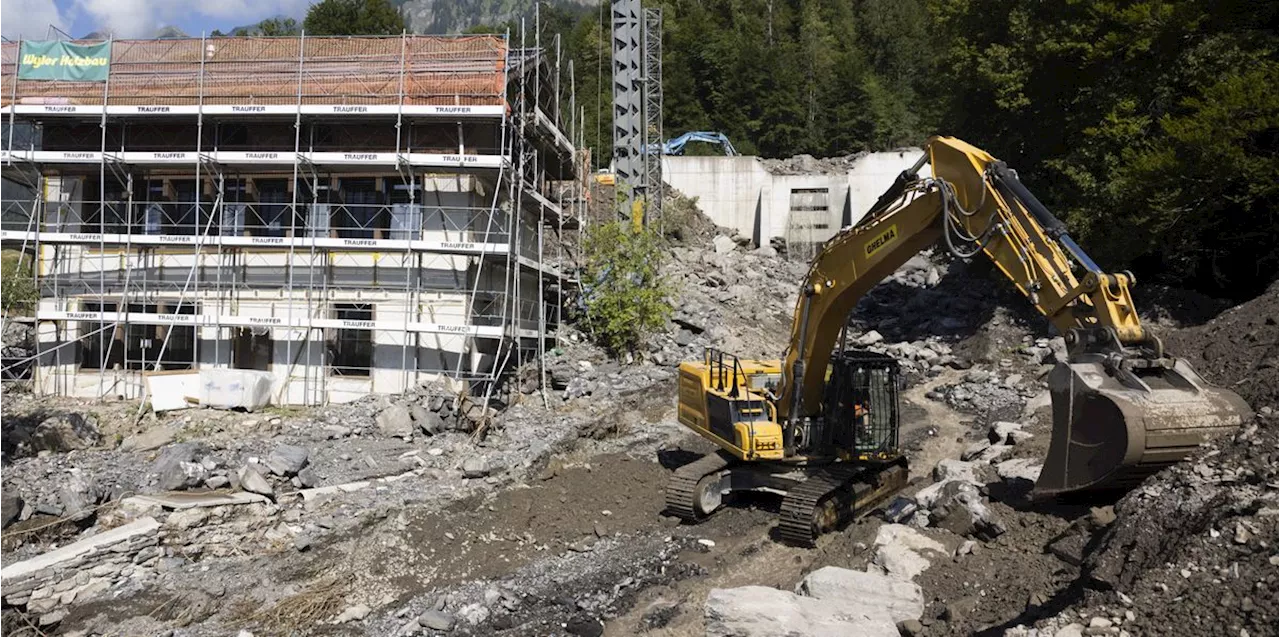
x,y
354,215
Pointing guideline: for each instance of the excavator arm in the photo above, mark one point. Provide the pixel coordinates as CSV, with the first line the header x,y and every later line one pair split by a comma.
x,y
1121,407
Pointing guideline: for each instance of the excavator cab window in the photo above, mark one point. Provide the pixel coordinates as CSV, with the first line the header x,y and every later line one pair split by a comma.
x,y
861,410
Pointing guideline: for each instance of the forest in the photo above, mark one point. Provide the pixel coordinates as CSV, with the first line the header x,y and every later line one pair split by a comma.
x,y
1149,126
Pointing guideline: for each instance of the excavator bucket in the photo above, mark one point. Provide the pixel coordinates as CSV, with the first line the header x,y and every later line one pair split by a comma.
x,y
1114,427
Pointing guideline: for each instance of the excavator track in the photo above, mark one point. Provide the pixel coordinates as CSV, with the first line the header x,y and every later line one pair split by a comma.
x,y
835,494
682,487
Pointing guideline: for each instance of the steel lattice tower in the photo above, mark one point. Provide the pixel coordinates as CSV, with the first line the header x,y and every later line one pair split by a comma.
x,y
653,115
628,103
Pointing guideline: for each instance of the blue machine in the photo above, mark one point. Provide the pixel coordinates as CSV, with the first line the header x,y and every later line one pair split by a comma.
x,y
675,146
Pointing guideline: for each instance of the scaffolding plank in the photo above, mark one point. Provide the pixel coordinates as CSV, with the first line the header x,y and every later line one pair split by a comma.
x,y
425,111
278,158
302,322
214,241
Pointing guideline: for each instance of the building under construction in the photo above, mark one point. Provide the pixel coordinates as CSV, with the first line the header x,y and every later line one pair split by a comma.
x,y
353,215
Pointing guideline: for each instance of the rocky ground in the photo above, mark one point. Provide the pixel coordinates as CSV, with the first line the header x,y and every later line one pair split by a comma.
x,y
540,513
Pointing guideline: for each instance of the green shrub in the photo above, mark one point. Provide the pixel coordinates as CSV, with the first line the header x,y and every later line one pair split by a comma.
x,y
18,292
624,296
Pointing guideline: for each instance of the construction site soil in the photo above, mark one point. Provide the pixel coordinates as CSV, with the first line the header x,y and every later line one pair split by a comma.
x,y
551,523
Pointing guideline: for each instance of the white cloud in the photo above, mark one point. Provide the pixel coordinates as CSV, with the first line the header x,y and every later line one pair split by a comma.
x,y
141,18
30,19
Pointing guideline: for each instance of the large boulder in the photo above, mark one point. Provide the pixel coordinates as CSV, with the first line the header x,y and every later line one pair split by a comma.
x,y
182,475
1002,432
760,611
254,482
865,593
11,506
287,460
949,469
428,421
1019,472
961,510
154,437
173,455
395,421
64,432
78,495
903,552
723,244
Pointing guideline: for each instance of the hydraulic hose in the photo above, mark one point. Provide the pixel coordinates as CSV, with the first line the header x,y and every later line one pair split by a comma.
x,y
950,228
1008,181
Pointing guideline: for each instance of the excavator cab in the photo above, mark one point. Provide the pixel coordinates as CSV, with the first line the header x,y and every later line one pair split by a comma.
x,y
860,414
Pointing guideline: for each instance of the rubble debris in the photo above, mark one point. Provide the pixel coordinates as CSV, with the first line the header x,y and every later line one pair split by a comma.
x,y
429,422
308,478
353,613
900,509
182,501
804,164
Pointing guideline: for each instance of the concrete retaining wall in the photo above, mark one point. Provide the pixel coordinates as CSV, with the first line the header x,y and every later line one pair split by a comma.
x,y
739,193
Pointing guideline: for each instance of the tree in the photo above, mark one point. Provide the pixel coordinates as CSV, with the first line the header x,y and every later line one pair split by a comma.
x,y
1150,126
278,27
354,17
624,295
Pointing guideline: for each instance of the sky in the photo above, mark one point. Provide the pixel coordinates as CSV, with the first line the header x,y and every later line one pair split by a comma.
x,y
30,19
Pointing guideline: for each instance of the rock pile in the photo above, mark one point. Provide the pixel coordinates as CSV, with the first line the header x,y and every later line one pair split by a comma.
x,y
1212,566
808,164
957,499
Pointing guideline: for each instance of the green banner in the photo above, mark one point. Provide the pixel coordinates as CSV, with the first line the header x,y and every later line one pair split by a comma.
x,y
56,60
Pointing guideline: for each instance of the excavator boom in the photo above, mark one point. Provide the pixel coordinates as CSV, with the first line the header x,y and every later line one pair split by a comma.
x,y
1122,407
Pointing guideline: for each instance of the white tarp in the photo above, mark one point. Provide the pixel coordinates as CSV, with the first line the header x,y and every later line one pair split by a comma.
x,y
167,391
232,388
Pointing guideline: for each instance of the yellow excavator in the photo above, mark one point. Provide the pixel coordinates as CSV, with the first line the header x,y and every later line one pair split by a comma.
x,y
820,426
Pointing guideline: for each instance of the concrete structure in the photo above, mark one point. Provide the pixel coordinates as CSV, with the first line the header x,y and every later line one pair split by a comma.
x,y
354,215
740,193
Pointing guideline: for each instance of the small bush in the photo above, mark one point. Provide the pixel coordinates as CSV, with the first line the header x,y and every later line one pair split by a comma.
x,y
624,296
18,292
